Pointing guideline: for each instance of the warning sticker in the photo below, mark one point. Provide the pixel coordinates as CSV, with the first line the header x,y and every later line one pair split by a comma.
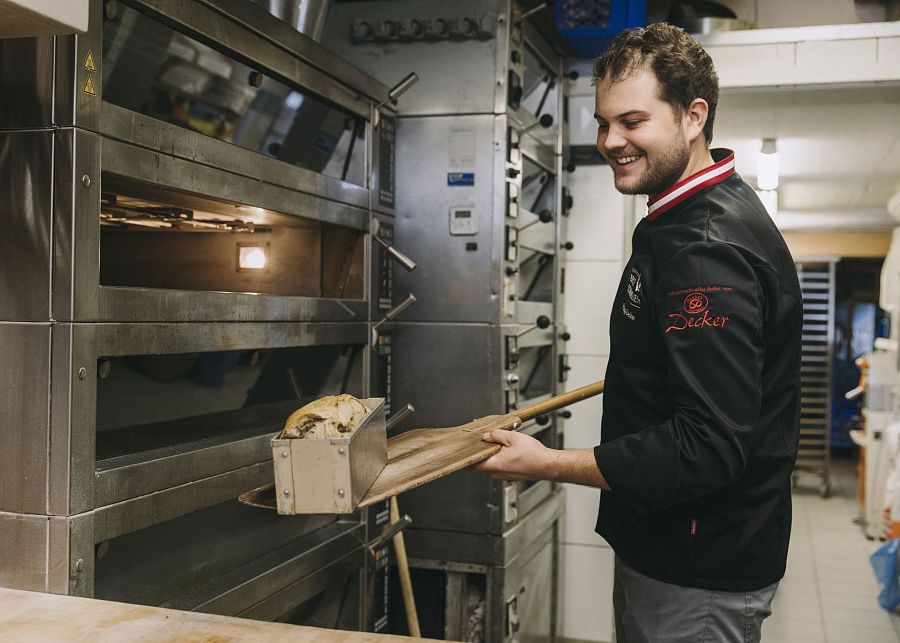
x,y
89,86
89,61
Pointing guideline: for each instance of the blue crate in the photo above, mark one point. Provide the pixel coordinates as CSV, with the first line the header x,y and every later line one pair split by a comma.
x,y
591,24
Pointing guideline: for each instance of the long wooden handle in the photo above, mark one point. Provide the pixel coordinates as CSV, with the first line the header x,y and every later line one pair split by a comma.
x,y
409,601
559,401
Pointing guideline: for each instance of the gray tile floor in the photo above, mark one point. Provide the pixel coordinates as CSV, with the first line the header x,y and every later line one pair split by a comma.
x,y
829,593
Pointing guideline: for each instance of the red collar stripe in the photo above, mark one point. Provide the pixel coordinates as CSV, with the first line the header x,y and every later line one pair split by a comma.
x,y
683,189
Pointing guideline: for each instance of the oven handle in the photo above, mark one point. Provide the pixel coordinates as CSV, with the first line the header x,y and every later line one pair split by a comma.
x,y
401,258
398,416
388,533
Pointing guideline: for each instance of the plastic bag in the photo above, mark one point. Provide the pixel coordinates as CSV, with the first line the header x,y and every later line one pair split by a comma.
x,y
884,562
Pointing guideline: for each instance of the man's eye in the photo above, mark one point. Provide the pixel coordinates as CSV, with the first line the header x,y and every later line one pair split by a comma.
x,y
633,124
602,127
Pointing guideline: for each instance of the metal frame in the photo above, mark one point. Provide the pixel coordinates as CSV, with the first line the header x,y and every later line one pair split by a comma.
x,y
62,142
460,328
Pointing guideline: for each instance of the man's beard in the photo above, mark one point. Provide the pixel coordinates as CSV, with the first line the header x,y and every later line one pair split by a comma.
x,y
663,172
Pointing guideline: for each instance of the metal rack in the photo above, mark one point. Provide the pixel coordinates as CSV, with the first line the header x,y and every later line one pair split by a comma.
x,y
146,366
817,286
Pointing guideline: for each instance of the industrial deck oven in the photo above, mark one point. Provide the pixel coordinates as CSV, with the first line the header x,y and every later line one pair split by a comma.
x,y
480,202
198,213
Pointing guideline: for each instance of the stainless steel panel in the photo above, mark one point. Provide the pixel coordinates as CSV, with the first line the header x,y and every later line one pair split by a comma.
x,y
482,548
451,283
73,399
125,477
206,22
442,89
137,513
140,304
426,357
246,586
137,129
26,81
199,556
26,168
167,339
526,531
529,311
456,548
450,373
167,171
540,152
472,357
70,567
303,590
79,89
532,496
24,409
535,234
303,47
530,593
76,224
308,19
23,541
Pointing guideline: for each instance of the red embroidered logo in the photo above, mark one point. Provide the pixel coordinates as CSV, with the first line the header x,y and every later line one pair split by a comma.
x,y
695,303
680,322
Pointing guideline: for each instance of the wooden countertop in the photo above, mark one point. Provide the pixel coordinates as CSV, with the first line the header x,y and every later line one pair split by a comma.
x,y
35,616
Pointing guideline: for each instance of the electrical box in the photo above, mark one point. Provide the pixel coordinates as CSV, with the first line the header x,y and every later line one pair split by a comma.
x,y
464,220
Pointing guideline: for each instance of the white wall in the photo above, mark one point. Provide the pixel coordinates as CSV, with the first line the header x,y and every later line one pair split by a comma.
x,y
599,229
769,14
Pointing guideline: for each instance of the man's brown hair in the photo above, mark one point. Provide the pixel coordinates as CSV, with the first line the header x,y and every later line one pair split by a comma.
x,y
682,67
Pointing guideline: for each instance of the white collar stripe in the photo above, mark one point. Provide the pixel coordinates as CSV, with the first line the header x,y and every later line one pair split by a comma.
x,y
700,178
677,193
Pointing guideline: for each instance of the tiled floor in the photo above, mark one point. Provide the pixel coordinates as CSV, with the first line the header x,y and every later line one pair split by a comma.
x,y
829,593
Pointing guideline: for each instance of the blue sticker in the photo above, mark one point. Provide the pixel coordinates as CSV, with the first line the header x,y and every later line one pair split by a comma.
x,y
460,179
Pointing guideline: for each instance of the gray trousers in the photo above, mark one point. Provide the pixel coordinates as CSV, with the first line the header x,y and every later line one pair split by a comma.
x,y
650,611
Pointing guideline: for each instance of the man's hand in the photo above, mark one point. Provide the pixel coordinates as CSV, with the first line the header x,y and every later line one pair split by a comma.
x,y
524,458
521,458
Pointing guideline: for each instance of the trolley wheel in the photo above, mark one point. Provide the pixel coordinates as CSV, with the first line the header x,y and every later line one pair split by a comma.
x,y
824,489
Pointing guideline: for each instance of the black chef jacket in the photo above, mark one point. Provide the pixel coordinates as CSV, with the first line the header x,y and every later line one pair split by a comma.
x,y
702,398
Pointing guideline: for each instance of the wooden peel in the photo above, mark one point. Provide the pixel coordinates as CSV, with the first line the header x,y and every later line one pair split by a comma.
x,y
423,455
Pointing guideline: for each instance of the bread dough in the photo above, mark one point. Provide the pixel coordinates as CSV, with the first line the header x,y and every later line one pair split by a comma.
x,y
333,416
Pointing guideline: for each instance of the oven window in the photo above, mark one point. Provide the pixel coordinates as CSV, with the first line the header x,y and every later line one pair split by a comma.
x,y
153,237
151,68
169,404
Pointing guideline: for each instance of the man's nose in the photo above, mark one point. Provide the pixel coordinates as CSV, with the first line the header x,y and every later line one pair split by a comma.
x,y
613,139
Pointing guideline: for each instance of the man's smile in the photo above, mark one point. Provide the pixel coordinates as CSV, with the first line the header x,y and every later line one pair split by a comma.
x,y
626,162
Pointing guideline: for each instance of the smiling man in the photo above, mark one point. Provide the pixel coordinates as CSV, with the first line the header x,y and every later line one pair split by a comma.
x,y
701,405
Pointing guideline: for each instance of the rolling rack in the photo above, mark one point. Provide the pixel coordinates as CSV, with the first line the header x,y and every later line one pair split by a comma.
x,y
817,282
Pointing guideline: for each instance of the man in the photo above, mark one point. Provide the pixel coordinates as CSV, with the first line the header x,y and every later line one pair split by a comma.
x,y
701,405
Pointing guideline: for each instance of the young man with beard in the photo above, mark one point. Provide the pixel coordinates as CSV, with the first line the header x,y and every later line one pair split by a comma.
x,y
701,406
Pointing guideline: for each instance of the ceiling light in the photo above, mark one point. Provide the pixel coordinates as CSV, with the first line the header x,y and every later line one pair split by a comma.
x,y
767,166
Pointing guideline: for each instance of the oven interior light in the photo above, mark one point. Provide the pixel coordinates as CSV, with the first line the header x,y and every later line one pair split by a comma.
x,y
252,257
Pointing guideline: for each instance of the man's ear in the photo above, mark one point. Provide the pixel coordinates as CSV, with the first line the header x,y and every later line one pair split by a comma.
x,y
696,115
